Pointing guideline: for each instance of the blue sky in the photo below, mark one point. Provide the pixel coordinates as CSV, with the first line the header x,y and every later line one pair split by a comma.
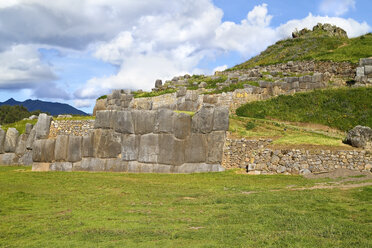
x,y
74,51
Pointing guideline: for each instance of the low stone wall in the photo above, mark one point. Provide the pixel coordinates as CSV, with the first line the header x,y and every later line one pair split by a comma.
x,y
364,71
159,141
254,154
70,127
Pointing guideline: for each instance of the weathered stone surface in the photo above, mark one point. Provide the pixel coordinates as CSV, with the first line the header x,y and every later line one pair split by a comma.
x,y
106,144
31,139
221,119
61,166
21,145
365,61
9,159
43,150
43,126
149,148
202,121
203,85
74,148
317,77
26,159
196,148
2,140
171,150
182,125
41,167
11,139
305,172
360,136
61,148
158,83
90,164
88,146
144,121
164,121
368,70
215,143
100,105
360,71
29,127
124,122
198,168
130,147
181,91
116,165
103,119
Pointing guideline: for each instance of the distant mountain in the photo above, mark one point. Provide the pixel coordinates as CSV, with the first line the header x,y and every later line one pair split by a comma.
x,y
54,108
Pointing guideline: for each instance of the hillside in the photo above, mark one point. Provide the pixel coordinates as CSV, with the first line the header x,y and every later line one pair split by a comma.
x,y
341,108
54,108
313,45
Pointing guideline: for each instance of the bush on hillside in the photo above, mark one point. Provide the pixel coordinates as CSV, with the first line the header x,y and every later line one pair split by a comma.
x,y
11,114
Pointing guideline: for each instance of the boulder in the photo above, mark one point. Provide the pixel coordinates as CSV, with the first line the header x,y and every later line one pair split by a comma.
x,y
74,148
360,137
130,147
124,122
164,121
43,126
149,148
61,148
182,125
202,121
106,144
2,140
158,83
221,119
196,148
11,139
215,141
144,121
171,150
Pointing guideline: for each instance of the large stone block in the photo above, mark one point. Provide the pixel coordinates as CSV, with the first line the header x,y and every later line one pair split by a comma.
x,y
130,146
88,146
61,166
9,159
43,126
21,145
365,61
74,148
182,125
106,144
216,141
41,167
43,150
26,159
31,139
171,150
2,140
202,121
28,129
124,122
164,121
198,168
104,119
221,119
149,148
196,148
144,121
11,139
61,148
116,165
90,164
360,71
368,70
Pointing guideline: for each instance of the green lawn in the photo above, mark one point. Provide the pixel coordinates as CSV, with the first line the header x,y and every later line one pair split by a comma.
x,y
58,209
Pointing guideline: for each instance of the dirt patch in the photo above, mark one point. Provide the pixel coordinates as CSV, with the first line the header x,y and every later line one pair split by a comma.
x,y
341,173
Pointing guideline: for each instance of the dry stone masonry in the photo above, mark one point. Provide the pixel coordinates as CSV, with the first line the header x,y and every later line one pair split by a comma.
x,y
364,71
70,127
160,141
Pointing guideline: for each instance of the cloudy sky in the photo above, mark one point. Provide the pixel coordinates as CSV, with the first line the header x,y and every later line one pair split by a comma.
x,y
75,51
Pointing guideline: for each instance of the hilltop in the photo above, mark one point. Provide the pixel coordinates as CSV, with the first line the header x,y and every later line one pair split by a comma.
x,y
324,42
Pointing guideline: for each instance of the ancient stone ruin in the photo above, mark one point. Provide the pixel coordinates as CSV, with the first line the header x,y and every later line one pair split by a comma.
x,y
364,71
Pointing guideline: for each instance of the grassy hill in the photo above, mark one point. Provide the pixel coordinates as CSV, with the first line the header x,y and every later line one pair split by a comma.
x,y
341,108
313,47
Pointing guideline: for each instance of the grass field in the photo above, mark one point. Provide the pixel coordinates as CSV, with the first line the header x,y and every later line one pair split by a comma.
x,y
58,209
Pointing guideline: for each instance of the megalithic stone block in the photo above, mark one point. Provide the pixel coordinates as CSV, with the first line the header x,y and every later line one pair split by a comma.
x,y
61,148
30,139
130,146
124,122
196,148
43,126
88,146
74,148
107,144
149,148
21,145
2,140
164,121
43,150
11,139
216,141
29,127
103,119
202,121
182,125
144,121
221,119
171,150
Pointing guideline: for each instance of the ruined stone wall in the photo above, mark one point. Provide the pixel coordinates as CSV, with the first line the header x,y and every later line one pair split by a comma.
x,y
159,141
364,71
70,127
254,154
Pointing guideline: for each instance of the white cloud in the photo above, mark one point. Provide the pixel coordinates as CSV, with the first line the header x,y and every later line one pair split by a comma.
x,y
79,103
336,7
220,68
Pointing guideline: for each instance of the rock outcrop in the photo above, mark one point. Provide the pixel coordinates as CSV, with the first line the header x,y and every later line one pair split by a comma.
x,y
360,137
321,30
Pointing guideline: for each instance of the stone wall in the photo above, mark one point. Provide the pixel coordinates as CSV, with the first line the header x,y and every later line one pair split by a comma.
x,y
161,141
70,127
364,71
259,159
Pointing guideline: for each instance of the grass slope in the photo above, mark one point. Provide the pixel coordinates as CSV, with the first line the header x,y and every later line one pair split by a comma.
x,y
59,209
341,108
313,48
